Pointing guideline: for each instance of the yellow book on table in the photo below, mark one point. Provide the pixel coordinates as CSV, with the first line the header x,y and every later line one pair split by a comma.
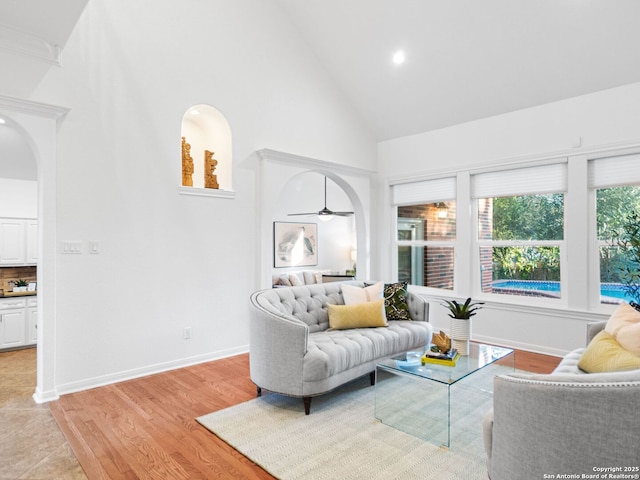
x,y
449,362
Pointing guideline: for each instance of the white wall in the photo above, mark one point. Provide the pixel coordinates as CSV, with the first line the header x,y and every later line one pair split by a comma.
x,y
602,118
18,198
568,128
168,261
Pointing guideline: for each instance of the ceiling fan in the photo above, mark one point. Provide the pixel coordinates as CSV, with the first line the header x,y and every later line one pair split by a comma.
x,y
325,214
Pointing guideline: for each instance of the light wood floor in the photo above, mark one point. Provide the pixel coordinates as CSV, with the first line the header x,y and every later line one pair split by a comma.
x,y
146,428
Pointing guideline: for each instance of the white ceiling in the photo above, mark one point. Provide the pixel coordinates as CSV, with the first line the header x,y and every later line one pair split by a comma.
x,y
466,59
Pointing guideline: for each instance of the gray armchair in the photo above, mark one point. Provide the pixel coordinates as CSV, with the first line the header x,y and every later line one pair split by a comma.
x,y
566,422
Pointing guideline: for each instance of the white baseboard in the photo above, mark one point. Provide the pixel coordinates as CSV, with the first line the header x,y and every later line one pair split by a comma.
x,y
43,397
529,347
89,383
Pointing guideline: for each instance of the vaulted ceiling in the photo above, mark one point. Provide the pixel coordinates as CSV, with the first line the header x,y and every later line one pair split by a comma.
x,y
465,59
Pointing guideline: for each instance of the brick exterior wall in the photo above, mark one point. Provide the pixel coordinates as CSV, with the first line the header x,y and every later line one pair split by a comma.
x,y
438,261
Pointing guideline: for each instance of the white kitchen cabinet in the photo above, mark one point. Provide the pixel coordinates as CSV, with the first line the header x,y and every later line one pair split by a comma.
x,y
12,242
12,322
18,322
32,321
18,241
31,242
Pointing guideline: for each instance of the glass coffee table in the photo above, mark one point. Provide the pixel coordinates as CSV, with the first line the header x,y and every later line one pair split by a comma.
x,y
428,401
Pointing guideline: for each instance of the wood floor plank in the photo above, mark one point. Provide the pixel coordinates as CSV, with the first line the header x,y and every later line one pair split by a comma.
x,y
146,428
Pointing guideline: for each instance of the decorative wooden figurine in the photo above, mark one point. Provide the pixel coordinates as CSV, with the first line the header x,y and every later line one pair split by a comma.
x,y
187,164
442,341
210,180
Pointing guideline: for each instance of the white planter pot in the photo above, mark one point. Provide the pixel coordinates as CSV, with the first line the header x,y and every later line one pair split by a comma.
x,y
460,335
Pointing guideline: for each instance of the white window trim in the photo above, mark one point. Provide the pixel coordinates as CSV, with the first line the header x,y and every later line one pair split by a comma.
x,y
580,280
619,178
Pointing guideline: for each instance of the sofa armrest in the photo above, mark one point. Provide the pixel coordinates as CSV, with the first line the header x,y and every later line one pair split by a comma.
x,y
544,425
418,307
593,329
277,345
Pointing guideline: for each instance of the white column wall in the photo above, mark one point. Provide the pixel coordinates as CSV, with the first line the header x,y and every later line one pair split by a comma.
x,y
166,261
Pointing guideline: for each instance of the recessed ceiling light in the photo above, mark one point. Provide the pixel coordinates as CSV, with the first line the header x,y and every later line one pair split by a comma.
x,y
398,57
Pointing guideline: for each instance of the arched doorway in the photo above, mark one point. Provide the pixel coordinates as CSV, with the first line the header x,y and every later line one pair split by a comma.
x,y
38,124
276,169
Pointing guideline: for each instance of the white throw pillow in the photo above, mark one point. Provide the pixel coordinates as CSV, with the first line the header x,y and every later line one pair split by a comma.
x,y
320,273
295,280
353,295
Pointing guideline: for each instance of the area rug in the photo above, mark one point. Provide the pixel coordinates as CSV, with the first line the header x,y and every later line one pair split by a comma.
x,y
341,438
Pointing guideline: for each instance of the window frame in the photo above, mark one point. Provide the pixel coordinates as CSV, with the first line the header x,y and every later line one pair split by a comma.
x,y
579,249
594,184
417,243
425,191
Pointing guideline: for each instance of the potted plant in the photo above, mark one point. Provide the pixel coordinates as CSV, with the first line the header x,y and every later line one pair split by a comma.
x,y
460,324
20,285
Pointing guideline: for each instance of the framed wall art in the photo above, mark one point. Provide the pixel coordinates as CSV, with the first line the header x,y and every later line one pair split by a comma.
x,y
295,244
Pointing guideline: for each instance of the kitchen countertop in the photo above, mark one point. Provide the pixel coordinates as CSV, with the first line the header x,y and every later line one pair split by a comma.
x,y
17,294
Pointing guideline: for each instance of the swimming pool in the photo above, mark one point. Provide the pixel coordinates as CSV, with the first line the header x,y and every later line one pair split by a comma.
x,y
614,292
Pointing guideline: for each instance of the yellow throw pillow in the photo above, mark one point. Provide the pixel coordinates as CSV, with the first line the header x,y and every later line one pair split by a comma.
x,y
624,326
361,315
604,354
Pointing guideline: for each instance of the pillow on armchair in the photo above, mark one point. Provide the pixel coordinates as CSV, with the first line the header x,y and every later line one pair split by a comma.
x,y
624,327
605,354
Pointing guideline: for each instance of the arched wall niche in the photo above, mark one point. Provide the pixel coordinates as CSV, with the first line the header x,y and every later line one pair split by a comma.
x,y
207,161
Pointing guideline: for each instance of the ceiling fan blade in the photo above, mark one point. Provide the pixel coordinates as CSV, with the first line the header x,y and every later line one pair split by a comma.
x,y
325,212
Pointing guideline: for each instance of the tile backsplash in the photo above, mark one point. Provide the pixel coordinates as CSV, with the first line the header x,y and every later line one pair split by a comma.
x,y
14,273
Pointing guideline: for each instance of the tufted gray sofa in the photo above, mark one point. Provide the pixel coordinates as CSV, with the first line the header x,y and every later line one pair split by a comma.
x,y
293,351
567,422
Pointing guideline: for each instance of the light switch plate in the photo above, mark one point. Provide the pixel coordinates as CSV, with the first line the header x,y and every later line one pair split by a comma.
x,y
71,247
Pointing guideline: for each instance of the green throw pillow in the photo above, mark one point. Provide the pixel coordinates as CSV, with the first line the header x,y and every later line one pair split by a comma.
x,y
395,301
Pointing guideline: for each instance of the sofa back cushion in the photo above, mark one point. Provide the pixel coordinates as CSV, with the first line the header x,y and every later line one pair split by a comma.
x,y
307,304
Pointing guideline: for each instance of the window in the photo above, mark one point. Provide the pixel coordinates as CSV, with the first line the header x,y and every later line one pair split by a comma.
x,y
426,232
616,182
520,222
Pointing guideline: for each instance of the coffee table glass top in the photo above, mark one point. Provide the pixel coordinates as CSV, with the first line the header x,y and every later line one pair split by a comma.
x,y
479,357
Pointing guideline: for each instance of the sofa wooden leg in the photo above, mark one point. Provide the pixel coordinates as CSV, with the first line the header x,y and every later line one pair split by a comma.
x,y
307,405
258,391
372,377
